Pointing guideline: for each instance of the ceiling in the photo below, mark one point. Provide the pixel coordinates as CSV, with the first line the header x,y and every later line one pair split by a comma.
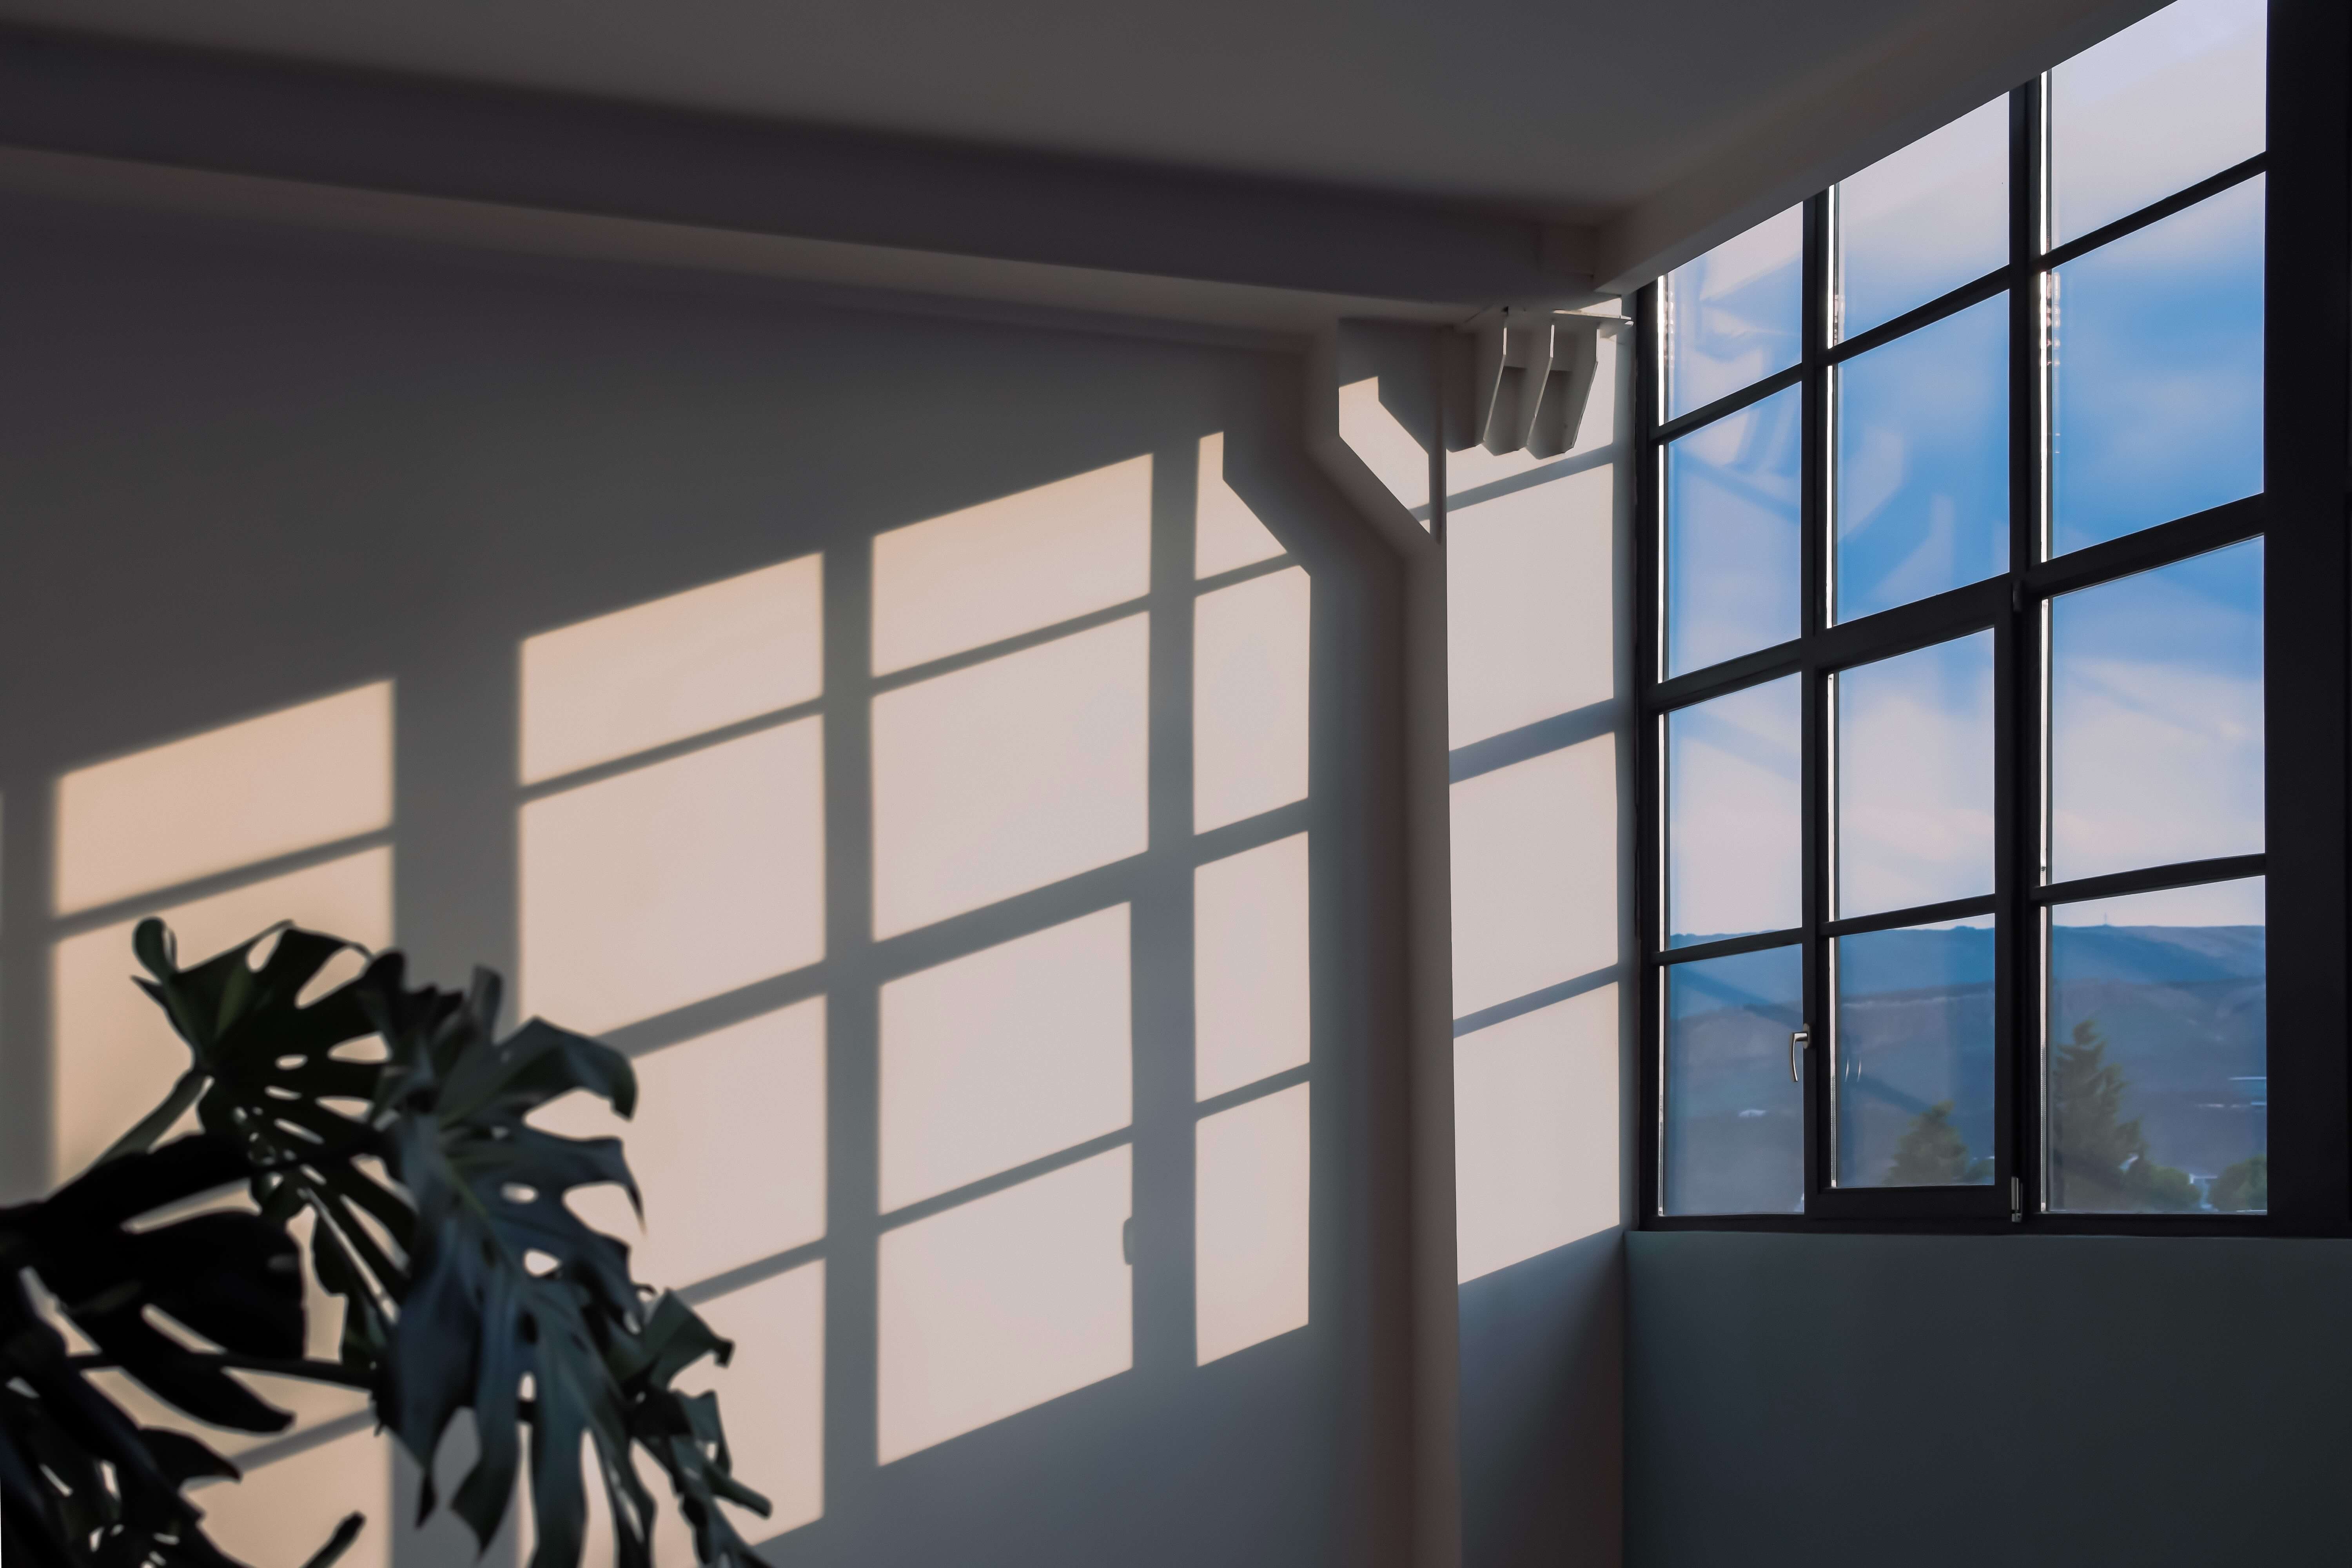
x,y
1562,109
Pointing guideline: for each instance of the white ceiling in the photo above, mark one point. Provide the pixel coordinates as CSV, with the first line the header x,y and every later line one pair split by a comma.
x,y
1646,130
1567,108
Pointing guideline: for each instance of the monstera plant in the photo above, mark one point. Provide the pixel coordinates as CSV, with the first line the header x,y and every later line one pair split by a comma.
x,y
436,1214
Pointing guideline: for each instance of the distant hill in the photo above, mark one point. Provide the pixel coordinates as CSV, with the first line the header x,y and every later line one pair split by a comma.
x,y
2182,1007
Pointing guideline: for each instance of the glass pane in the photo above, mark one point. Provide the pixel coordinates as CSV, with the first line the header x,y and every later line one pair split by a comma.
x,y
2156,694
1735,315
2155,109
2158,1098
2156,389
1914,785
1732,836
1915,1067
1732,534
1921,221
1734,1122
1923,462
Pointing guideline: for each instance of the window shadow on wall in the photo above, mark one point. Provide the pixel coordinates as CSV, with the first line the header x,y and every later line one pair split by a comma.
x,y
967,836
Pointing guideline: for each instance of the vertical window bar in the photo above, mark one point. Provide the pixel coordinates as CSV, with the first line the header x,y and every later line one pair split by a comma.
x,y
2021,708
2306,341
1649,737
1815,556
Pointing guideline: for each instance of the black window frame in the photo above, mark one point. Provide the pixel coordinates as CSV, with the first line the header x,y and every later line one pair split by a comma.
x,y
2301,511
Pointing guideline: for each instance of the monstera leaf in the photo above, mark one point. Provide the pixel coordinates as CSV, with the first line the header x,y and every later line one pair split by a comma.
x,y
399,1121
79,1481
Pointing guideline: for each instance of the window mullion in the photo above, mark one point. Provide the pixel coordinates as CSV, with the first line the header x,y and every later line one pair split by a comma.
x,y
2307,338
1816,601
2018,724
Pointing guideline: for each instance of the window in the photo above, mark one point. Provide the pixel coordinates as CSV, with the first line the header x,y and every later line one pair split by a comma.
x,y
1993,637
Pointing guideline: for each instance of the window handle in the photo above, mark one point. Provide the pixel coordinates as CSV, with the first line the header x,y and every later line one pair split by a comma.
x,y
1799,1040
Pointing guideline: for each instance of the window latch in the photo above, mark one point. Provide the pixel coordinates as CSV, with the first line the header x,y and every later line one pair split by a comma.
x,y
1799,1040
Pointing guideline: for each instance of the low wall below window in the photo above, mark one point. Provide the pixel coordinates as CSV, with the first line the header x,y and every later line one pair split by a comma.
x,y
1987,1400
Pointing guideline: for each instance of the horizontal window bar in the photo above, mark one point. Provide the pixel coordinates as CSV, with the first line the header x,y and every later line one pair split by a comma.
x,y
2157,212
1972,293
1923,915
2149,548
1937,619
1981,1199
2182,874
1748,670
1730,946
1994,1223
1755,391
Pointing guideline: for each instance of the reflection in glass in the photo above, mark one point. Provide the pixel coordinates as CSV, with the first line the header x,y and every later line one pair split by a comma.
x,y
2155,692
1914,1064
2155,109
1734,1122
1914,785
1923,462
1734,316
1732,782
2156,389
1732,534
2159,1099
1919,223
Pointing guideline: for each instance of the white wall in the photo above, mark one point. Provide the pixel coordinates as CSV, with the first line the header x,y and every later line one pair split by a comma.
x,y
956,761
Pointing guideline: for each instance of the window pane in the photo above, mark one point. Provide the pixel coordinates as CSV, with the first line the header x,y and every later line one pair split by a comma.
x,y
2157,391
1921,221
1923,462
2156,696
1915,783
2155,109
1735,315
1732,838
2158,1098
1915,1066
1732,534
1734,1122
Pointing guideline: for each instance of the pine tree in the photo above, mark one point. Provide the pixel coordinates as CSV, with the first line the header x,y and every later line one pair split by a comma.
x,y
1934,1154
2243,1188
2098,1162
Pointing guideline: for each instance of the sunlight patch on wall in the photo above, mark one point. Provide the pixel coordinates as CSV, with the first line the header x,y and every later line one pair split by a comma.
x,y
1377,437
728,1147
250,790
675,883
1535,874
1012,565
1249,699
1250,970
1227,533
285,1510
672,668
1251,1206
1002,1303
1011,774
1012,1054
115,1054
1536,1132
1529,604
